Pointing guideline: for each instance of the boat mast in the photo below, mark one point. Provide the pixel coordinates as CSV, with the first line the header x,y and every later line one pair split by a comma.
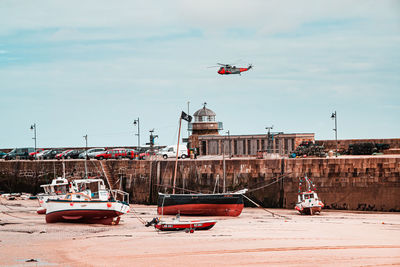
x,y
223,161
177,153
86,176
63,165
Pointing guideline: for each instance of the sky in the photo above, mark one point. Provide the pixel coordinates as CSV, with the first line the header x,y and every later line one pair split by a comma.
x,y
93,67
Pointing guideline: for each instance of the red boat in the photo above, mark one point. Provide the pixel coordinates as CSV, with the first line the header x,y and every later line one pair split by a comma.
x,y
223,204
178,225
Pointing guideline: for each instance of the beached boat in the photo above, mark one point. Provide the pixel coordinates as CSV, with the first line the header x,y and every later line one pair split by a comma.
x,y
308,202
215,204
91,203
178,225
223,204
57,189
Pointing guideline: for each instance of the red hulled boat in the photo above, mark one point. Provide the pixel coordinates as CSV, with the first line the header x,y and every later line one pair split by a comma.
x,y
178,225
223,204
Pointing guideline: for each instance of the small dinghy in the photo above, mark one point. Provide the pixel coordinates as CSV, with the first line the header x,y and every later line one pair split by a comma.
x,y
178,225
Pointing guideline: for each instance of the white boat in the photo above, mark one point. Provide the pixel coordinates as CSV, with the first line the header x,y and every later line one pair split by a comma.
x,y
58,188
308,201
90,202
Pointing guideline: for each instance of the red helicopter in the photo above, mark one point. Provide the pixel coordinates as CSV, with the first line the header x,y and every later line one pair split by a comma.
x,y
228,69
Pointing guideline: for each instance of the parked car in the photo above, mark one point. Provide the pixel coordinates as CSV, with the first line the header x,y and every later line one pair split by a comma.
x,y
132,154
170,152
2,154
145,153
19,153
91,153
40,154
117,153
72,154
32,154
62,154
51,154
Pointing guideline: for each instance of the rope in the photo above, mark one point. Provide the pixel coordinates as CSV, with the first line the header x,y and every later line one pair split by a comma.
x,y
261,187
170,186
140,219
273,214
7,213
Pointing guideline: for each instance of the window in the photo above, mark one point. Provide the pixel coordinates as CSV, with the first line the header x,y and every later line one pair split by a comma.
x,y
235,147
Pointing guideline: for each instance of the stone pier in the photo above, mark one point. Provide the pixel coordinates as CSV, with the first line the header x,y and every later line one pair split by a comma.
x,y
352,182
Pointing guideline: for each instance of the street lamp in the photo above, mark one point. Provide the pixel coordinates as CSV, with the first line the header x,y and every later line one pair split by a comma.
x,y
188,121
334,116
85,136
137,122
33,127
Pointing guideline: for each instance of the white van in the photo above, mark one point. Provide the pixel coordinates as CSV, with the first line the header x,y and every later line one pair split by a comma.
x,y
170,152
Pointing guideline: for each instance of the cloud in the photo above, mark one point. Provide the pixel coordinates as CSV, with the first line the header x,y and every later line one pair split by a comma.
x,y
262,17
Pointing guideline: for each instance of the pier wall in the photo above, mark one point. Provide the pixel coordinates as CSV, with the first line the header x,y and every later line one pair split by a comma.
x,y
352,183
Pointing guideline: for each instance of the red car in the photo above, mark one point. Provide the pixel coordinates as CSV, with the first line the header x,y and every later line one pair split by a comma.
x,y
62,154
32,154
132,154
117,153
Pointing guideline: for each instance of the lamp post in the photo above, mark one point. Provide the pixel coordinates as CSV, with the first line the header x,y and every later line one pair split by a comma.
x,y
137,122
85,136
188,121
269,128
334,116
33,127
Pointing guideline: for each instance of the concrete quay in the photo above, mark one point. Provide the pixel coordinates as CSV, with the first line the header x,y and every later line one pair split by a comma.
x,y
370,183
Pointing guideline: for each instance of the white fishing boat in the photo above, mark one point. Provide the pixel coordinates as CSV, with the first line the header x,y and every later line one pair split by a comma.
x,y
90,202
307,201
57,189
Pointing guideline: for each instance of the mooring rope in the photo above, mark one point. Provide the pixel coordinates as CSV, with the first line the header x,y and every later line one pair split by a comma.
x,y
170,186
261,187
140,219
273,213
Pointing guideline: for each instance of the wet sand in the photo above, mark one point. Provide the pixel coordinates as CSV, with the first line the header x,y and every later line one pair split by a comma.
x,y
334,238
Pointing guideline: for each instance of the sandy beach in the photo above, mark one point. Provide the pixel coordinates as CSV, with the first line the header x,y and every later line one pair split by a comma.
x,y
333,238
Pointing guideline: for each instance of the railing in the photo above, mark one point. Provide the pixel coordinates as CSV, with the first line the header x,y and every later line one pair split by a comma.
x,y
120,195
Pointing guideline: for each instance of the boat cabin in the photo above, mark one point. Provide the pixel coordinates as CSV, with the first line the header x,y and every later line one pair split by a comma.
x,y
59,186
307,195
94,188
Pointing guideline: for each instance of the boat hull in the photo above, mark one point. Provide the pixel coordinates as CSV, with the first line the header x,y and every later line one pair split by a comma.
x,y
41,210
308,210
201,204
42,199
101,212
191,225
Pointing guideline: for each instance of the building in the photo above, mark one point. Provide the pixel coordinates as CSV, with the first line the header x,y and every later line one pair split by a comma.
x,y
207,140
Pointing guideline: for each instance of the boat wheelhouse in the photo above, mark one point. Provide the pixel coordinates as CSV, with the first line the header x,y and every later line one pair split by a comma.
x,y
58,188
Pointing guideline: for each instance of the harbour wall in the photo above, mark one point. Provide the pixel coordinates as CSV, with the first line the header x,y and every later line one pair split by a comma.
x,y
351,183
